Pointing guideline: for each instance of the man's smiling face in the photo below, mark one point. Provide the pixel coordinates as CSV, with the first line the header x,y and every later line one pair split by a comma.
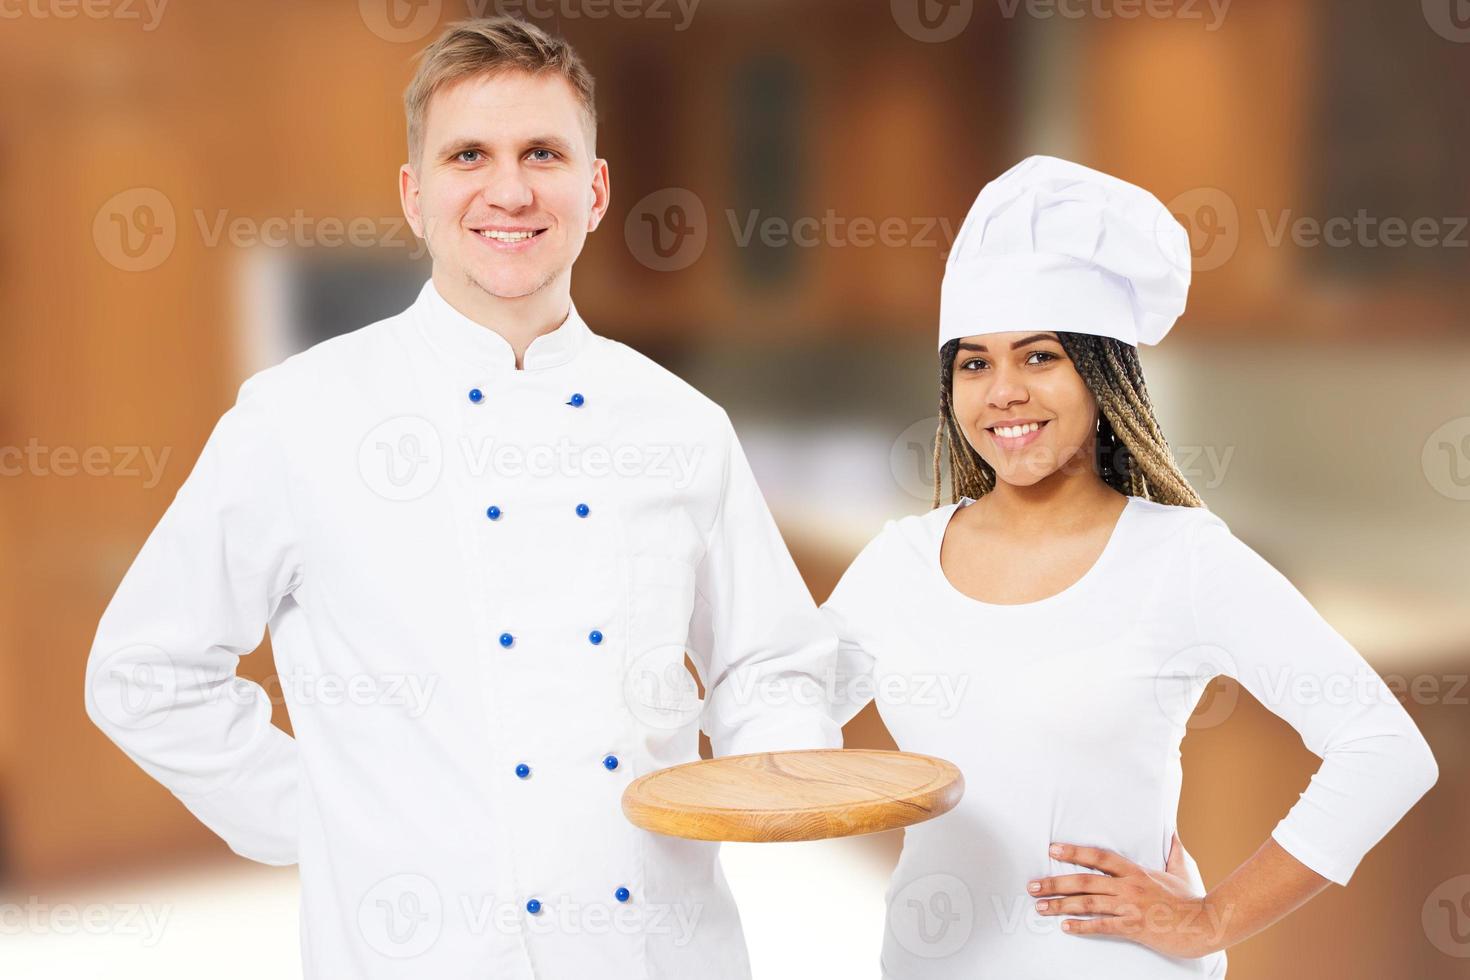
x,y
506,187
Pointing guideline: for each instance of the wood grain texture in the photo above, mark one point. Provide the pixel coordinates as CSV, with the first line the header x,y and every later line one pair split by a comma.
x,y
809,794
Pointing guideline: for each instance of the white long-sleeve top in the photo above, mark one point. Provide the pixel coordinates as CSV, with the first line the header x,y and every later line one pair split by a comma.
x,y
480,583
1066,715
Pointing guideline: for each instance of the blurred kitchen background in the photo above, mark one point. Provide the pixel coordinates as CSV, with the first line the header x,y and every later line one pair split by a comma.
x,y
194,190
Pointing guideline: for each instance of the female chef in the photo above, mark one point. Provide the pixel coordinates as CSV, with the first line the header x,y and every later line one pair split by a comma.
x,y
1079,596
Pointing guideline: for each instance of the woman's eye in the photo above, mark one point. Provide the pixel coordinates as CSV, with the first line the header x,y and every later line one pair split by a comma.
x,y
970,364
1045,354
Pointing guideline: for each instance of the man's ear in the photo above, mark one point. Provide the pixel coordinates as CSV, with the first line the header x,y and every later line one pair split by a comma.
x,y
601,193
408,196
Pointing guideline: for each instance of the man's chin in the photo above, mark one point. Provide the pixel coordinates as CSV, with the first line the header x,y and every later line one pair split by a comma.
x,y
510,287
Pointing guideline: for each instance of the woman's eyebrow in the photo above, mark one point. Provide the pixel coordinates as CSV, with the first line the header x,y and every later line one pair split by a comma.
x,y
1020,343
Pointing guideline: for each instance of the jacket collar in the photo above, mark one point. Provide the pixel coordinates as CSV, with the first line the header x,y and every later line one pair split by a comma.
x,y
473,347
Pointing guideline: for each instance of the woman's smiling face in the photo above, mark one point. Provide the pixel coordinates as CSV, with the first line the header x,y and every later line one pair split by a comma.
x,y
1022,405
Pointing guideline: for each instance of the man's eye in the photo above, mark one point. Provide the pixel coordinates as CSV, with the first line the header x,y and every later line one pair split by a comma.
x,y
460,155
549,154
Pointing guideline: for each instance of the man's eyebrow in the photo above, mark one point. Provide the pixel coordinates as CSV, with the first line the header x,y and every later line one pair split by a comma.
x,y
463,143
1020,343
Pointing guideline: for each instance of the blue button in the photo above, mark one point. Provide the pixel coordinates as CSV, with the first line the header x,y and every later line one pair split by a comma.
x,y
523,770
583,510
492,512
610,763
622,894
534,906
595,636
576,400
506,639
476,395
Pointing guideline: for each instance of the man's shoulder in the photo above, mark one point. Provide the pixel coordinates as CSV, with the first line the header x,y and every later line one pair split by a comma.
x,y
352,353
658,389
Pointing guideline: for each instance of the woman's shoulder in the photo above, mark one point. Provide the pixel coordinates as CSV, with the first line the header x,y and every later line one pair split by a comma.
x,y
901,543
1171,520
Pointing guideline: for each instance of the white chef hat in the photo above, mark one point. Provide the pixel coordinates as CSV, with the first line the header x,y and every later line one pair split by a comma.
x,y
1054,245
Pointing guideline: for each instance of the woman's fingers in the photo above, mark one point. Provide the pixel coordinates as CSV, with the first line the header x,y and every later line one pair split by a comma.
x,y
1074,885
1081,905
1102,859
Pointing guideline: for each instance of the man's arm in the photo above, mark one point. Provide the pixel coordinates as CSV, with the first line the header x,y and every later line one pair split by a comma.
x,y
764,650
161,677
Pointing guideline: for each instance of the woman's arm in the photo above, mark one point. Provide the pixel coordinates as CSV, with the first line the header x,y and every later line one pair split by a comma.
x,y
1252,624
1159,909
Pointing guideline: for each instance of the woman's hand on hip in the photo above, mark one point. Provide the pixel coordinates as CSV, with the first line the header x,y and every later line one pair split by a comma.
x,y
1159,909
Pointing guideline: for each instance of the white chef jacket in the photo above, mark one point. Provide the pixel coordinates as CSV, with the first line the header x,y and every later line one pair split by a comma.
x,y
480,583
1065,716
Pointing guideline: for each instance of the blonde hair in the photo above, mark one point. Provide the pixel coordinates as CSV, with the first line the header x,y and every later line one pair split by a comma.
x,y
489,45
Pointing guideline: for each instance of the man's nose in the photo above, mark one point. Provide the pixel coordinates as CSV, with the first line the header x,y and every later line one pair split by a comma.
x,y
506,188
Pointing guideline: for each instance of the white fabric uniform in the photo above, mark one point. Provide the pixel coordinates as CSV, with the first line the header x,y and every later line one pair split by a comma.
x,y
426,650
1066,714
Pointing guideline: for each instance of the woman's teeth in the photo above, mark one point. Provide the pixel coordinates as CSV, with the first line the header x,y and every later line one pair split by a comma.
x,y
508,236
1012,431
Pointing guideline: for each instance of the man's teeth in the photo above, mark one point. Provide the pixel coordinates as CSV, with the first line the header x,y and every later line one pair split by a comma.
x,y
1012,431
507,236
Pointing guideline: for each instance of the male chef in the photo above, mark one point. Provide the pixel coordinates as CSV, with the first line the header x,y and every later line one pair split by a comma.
x,y
482,537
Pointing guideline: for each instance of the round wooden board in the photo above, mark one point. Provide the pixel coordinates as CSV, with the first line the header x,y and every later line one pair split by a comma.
x,y
809,794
